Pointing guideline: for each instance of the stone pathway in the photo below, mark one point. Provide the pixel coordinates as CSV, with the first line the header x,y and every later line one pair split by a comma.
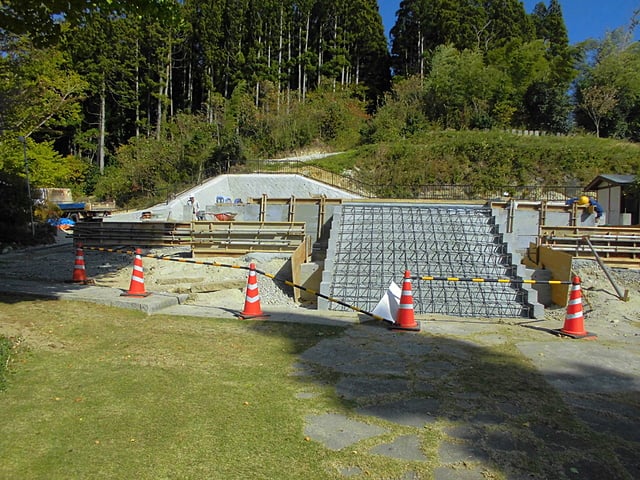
x,y
494,415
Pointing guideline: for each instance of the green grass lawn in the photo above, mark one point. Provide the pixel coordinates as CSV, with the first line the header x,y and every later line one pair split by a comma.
x,y
97,392
94,392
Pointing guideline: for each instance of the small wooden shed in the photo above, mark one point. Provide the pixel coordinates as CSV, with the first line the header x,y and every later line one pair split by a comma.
x,y
619,198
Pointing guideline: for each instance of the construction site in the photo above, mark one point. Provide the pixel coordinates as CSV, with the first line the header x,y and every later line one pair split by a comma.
x,y
491,259
537,279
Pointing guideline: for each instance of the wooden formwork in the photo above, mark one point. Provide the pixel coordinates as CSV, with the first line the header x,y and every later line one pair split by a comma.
x,y
206,238
138,234
618,246
212,239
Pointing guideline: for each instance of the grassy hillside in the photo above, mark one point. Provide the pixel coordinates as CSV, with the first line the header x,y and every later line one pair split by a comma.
x,y
486,160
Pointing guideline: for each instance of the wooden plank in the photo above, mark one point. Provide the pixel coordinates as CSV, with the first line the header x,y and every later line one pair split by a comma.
x,y
131,233
590,231
238,238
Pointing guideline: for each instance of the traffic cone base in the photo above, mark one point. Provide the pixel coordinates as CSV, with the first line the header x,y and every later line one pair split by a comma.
x,y
574,319
261,316
252,309
136,287
405,318
128,293
409,329
589,336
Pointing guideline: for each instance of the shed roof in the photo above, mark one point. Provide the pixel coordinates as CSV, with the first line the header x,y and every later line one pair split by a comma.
x,y
609,180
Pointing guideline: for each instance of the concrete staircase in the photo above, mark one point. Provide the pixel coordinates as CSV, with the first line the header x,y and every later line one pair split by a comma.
x,y
373,244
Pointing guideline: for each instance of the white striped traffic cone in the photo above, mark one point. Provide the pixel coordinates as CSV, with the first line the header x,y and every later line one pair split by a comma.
x,y
252,307
136,287
405,319
574,318
79,268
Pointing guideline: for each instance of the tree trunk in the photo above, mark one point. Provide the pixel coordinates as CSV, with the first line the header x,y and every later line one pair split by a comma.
x,y
159,112
259,54
280,40
306,50
320,60
164,93
421,53
137,88
300,63
102,126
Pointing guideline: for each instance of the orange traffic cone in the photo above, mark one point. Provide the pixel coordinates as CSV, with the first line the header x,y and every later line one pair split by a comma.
x,y
574,318
405,319
136,287
79,271
252,307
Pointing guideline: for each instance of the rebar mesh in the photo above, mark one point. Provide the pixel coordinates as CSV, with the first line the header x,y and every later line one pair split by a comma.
x,y
373,244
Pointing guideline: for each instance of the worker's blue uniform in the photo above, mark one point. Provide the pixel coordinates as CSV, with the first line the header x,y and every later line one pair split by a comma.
x,y
592,202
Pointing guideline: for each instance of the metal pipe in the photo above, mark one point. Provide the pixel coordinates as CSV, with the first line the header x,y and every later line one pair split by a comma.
x,y
622,296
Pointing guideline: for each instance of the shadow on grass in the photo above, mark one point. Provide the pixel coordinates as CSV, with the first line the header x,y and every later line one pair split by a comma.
x,y
490,408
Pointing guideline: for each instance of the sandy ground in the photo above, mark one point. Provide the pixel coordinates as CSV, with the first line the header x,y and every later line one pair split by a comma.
x,y
601,301
207,284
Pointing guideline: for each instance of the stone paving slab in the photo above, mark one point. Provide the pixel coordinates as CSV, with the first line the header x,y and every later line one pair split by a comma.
x,y
336,431
483,432
414,412
451,452
459,473
405,447
586,366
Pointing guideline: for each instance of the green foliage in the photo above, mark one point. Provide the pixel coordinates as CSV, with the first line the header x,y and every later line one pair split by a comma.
x,y
485,160
612,65
144,172
402,115
341,163
42,90
524,62
547,108
164,93
41,19
337,118
15,228
190,149
425,25
460,90
47,168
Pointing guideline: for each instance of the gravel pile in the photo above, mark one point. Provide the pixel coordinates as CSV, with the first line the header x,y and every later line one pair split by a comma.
x,y
204,283
220,285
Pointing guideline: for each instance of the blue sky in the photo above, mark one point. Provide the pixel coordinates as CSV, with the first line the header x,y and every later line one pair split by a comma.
x,y
583,18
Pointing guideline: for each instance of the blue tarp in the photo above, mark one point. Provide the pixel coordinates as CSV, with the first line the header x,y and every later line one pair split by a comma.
x,y
57,222
72,206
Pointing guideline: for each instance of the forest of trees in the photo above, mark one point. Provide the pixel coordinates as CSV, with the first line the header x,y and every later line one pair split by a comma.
x,y
126,100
